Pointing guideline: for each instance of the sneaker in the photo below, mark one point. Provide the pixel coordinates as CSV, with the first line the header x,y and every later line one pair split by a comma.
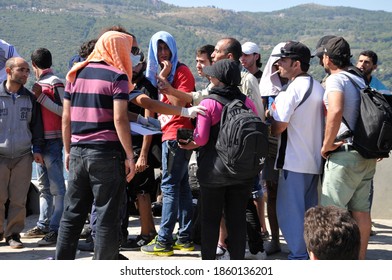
x,y
135,244
272,247
35,232
157,248
222,253
372,231
49,239
258,256
184,246
265,235
14,241
87,245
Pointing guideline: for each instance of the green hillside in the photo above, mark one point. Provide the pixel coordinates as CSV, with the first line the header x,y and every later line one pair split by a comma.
x,y
61,26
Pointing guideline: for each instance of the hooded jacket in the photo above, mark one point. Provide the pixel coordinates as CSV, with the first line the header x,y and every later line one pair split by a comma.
x,y
20,123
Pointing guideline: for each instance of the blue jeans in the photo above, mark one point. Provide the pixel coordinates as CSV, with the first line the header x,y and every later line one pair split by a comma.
x,y
177,196
51,185
297,192
96,172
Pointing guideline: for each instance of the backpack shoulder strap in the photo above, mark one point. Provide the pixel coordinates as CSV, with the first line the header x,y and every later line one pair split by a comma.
x,y
352,81
307,94
357,72
359,88
219,98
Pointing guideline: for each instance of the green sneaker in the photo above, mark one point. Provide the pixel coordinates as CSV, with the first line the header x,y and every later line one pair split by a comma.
x,y
184,246
157,248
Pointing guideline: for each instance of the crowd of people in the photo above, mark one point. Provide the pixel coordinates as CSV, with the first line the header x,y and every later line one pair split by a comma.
x,y
83,125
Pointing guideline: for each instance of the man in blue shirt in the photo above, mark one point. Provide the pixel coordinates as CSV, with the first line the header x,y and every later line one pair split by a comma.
x,y
367,63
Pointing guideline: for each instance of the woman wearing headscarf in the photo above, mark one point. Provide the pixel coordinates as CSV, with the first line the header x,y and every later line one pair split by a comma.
x,y
220,191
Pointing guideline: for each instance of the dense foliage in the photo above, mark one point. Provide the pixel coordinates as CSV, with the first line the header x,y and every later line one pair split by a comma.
x,y
61,26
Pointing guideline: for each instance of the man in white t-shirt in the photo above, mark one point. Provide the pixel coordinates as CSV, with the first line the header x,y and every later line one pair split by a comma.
x,y
298,120
6,51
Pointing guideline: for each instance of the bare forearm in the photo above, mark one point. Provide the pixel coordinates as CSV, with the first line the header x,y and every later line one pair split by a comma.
x,y
277,127
332,127
156,106
66,126
180,95
147,138
121,124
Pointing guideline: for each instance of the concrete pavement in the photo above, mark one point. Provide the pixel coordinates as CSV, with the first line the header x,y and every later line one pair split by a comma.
x,y
380,245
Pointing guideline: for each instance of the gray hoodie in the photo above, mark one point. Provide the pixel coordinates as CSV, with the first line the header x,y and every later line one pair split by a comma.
x,y
20,123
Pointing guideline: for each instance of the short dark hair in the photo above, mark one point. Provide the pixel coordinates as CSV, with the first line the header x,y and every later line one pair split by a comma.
x,y
341,62
234,47
370,54
118,28
42,58
207,49
331,233
86,48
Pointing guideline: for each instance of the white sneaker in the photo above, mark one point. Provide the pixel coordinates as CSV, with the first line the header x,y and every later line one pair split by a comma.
x,y
224,257
222,254
258,256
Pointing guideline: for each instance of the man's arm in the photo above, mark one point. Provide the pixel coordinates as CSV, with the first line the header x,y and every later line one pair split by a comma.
x,y
142,161
146,102
250,88
278,127
334,119
166,88
48,103
121,123
194,97
66,131
178,98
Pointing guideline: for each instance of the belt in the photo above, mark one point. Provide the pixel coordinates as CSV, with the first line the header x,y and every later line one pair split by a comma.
x,y
345,148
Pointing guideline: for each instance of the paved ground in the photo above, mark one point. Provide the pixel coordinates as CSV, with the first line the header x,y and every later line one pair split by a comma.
x,y
380,246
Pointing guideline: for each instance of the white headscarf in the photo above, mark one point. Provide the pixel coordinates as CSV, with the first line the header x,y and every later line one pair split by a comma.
x,y
270,85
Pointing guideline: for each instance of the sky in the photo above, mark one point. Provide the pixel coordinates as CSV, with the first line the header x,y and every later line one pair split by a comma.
x,y
274,5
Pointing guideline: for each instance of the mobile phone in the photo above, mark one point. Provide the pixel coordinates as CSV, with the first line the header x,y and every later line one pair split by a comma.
x,y
184,135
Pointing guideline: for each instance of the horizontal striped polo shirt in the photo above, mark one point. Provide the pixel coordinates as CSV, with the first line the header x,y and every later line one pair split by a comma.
x,y
91,95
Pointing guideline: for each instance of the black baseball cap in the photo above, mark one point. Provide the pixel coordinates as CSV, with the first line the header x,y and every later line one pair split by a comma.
x,y
320,45
337,48
226,70
295,50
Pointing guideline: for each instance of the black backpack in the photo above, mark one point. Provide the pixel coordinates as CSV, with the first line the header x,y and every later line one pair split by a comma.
x,y
242,142
372,135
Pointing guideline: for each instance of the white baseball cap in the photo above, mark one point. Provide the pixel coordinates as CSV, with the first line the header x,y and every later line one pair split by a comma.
x,y
250,48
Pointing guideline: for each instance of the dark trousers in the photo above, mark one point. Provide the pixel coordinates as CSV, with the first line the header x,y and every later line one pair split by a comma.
x,y
95,174
232,201
253,227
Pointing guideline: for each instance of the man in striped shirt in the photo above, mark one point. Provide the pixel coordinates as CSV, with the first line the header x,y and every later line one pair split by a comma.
x,y
97,144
